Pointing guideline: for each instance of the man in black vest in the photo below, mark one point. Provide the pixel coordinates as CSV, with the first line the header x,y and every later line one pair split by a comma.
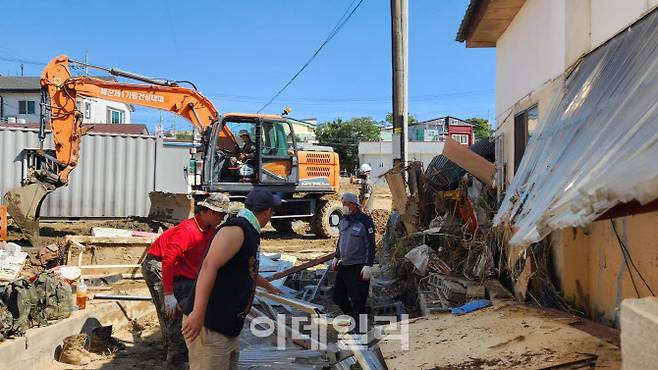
x,y
225,286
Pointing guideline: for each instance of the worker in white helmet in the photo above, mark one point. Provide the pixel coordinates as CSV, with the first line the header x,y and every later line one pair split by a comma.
x,y
366,191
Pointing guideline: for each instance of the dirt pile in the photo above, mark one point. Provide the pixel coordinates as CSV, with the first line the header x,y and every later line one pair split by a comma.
x,y
53,231
380,218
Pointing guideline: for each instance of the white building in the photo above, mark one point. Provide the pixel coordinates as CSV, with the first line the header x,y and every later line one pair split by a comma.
x,y
576,123
536,42
380,154
20,98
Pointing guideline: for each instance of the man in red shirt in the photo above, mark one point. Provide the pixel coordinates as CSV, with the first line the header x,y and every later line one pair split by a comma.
x,y
171,265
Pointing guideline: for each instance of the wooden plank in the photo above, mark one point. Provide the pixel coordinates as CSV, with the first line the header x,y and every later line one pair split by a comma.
x,y
109,266
303,266
104,256
135,276
304,306
467,159
83,239
398,189
3,223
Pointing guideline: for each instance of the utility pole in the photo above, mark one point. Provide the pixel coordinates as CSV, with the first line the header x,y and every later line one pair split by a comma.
x,y
399,32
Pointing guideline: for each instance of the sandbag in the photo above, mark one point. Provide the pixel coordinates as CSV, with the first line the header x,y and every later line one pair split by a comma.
x,y
6,322
21,299
54,296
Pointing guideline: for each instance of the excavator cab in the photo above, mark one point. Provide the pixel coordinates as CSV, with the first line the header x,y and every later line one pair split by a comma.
x,y
302,176
263,153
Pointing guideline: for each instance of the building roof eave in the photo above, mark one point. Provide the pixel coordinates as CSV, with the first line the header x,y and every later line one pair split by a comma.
x,y
486,20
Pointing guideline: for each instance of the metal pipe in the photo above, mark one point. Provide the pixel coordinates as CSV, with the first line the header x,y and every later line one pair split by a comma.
x,y
122,297
120,73
135,76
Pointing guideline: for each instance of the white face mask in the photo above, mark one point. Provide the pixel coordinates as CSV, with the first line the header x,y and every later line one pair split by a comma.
x,y
346,210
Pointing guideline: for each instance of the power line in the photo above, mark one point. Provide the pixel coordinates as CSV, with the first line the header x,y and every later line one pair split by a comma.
x,y
339,25
339,101
24,61
627,258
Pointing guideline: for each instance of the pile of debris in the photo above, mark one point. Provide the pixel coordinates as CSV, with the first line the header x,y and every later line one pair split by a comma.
x,y
439,250
441,258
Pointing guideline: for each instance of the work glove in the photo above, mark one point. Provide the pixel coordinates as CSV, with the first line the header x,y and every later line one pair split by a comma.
x,y
334,264
366,273
170,305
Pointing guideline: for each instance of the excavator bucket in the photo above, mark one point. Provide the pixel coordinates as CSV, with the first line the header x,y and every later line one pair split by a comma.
x,y
24,205
170,207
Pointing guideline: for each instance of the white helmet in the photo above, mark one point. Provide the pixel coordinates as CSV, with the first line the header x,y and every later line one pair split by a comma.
x,y
365,168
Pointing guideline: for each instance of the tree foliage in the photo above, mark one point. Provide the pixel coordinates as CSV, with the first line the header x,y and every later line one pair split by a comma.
x,y
410,117
482,127
344,137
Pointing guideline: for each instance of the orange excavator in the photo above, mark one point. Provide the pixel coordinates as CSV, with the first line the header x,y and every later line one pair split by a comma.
x,y
264,154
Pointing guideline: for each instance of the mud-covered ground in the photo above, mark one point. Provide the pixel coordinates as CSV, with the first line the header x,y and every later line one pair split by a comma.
x,y
143,340
301,244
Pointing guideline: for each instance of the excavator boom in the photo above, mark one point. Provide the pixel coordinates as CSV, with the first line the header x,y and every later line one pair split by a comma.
x,y
50,169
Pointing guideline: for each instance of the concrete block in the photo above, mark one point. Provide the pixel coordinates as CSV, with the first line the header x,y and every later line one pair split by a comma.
x,y
639,333
36,350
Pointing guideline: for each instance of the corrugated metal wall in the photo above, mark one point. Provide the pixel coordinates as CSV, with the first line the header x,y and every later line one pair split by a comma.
x,y
171,161
114,177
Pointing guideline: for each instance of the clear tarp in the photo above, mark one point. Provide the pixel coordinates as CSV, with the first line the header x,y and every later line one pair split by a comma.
x,y
597,145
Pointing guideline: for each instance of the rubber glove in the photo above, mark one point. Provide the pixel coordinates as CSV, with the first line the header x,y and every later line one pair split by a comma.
x,y
170,305
334,264
366,273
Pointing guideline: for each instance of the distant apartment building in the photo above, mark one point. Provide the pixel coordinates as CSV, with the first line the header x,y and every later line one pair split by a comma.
x,y
437,129
20,98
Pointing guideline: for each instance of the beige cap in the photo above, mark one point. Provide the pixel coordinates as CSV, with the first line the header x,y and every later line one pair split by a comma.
x,y
217,202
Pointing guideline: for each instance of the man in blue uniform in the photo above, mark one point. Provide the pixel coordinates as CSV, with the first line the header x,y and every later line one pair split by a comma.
x,y
355,254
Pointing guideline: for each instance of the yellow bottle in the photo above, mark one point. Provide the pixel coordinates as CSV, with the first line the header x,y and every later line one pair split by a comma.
x,y
81,295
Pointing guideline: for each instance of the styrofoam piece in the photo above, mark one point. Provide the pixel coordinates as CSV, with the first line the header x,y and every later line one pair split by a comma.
x,y
11,263
109,232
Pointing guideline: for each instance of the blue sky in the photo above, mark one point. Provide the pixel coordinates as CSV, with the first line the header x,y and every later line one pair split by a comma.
x,y
241,52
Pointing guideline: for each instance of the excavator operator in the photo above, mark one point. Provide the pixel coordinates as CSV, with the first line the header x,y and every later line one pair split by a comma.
x,y
244,157
248,149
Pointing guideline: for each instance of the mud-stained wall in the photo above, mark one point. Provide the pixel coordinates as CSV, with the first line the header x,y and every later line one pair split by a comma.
x,y
590,266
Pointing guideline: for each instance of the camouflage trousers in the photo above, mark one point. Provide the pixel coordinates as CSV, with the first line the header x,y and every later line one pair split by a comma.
x,y
175,350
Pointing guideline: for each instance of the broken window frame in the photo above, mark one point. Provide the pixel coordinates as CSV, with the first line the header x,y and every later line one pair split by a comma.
x,y
523,131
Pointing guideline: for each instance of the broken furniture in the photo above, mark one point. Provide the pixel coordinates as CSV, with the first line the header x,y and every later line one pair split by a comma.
x,y
101,256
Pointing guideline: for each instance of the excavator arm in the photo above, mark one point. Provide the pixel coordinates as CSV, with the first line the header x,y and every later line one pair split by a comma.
x,y
49,169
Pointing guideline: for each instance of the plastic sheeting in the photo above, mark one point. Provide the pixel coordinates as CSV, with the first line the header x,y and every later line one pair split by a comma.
x,y
597,146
